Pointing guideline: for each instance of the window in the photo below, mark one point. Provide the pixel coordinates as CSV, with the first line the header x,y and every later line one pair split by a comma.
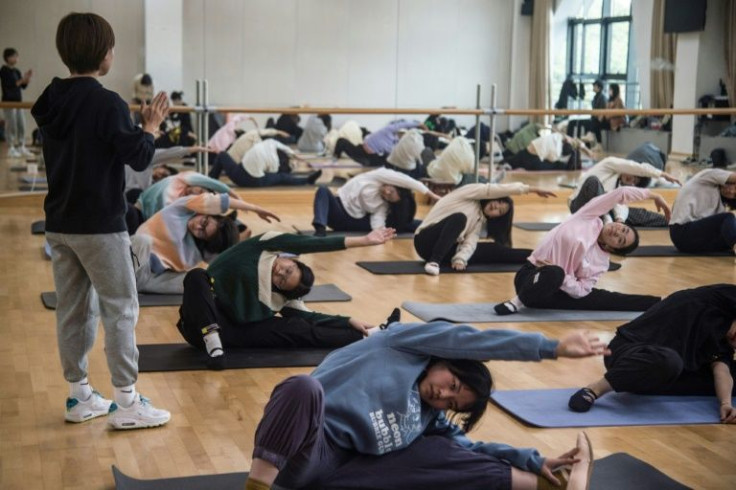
x,y
598,41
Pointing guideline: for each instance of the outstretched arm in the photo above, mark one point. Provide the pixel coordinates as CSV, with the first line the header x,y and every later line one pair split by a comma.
x,y
264,214
375,237
724,387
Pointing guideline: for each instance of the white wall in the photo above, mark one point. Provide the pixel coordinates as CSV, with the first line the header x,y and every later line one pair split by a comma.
x,y
163,43
30,27
362,53
712,59
642,12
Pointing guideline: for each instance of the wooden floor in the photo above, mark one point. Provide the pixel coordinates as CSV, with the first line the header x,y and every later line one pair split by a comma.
x,y
215,413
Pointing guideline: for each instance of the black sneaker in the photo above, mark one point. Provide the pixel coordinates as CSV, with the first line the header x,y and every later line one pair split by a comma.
x,y
582,400
506,308
394,317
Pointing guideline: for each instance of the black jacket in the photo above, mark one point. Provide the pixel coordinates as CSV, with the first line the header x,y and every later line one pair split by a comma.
x,y
88,138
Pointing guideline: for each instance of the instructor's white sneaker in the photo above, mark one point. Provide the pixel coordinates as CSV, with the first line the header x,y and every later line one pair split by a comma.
x,y
140,415
81,411
432,268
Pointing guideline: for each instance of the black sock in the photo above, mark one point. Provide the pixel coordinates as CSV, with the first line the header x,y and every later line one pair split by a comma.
x,y
582,400
505,308
314,176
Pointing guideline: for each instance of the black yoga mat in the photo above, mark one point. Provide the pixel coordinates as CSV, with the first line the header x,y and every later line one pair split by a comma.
x,y
49,299
320,293
615,472
417,267
184,357
671,251
543,226
38,227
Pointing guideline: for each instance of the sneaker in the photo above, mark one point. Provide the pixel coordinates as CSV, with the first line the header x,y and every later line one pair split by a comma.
x,y
432,268
14,153
140,415
80,411
26,152
505,308
582,400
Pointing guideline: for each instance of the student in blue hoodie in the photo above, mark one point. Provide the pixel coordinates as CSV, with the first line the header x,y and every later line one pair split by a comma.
x,y
374,415
88,138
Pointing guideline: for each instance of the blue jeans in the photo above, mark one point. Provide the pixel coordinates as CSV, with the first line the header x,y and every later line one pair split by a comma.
x,y
241,178
715,233
329,211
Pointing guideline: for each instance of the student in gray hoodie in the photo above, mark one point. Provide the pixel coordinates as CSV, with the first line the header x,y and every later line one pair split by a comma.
x,y
374,414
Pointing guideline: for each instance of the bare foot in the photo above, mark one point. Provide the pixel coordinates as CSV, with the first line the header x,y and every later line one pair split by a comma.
x,y
581,471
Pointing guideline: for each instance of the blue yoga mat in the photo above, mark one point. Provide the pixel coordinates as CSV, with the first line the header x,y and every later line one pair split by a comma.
x,y
548,408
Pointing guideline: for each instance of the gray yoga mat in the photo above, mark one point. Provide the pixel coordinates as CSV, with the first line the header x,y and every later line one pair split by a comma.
x,y
32,180
532,226
614,472
484,313
320,293
671,251
548,408
35,187
38,227
417,267
184,357
402,236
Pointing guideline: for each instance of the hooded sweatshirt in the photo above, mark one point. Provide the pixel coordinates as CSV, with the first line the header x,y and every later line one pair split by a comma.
x,y
372,400
88,138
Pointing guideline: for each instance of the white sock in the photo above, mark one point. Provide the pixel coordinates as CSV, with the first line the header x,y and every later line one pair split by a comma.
x,y
125,395
80,390
516,302
213,344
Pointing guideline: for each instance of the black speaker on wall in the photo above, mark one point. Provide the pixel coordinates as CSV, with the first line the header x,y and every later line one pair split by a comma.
x,y
684,15
527,7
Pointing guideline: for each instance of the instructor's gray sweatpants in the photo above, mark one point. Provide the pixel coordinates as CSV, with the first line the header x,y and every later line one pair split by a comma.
x,y
94,277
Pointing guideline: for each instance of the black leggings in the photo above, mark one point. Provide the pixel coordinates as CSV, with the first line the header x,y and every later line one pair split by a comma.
x,y
528,161
539,287
358,153
650,369
438,243
200,308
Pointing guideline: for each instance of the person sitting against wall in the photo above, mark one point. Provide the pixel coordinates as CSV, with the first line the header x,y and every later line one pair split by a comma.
x,y
451,231
369,201
235,302
702,220
682,346
613,123
177,129
266,164
189,231
551,151
613,172
315,130
376,146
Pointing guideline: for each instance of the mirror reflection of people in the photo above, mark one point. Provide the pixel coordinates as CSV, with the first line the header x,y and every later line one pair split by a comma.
x,y
13,83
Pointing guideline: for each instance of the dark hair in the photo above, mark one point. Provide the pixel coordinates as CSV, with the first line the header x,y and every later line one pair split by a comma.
x,y
567,148
615,89
642,182
499,228
146,80
169,168
401,213
177,95
226,236
8,52
598,83
624,251
476,376
327,120
83,41
729,203
305,283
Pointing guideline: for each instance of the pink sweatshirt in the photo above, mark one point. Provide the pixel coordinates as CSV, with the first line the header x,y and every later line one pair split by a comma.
x,y
573,245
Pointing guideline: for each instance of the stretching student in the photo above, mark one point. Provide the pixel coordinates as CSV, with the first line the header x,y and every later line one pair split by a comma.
x,y
451,230
684,345
376,146
189,231
613,172
265,164
455,161
385,424
407,153
563,269
553,151
369,201
350,130
168,190
315,130
235,301
701,221
88,137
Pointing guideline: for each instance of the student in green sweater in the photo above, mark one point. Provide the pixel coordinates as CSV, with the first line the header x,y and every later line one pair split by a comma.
x,y
235,301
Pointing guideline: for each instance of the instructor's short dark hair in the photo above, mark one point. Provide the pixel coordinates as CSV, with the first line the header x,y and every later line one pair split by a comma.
x,y
8,52
83,41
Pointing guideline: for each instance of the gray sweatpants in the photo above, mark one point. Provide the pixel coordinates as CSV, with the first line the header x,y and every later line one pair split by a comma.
x,y
94,277
15,127
167,282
